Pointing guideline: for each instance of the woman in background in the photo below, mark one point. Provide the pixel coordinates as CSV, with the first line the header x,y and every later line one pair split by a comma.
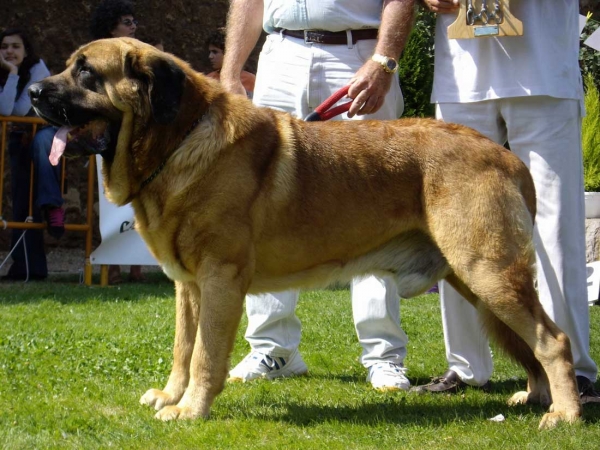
x,y
20,67
114,18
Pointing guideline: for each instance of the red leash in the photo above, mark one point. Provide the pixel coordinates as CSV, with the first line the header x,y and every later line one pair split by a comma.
x,y
322,112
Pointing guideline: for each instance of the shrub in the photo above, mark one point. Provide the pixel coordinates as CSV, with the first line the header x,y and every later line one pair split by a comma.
x,y
589,58
590,134
415,68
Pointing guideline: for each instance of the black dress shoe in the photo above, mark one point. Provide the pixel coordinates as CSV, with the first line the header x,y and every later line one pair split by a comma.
x,y
587,392
448,383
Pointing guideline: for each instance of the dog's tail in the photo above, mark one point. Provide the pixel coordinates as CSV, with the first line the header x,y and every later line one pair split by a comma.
x,y
527,189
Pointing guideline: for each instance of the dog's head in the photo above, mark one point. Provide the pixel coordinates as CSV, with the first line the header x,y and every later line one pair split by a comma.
x,y
116,97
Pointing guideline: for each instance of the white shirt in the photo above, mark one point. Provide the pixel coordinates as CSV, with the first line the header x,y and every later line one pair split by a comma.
x,y
544,61
329,15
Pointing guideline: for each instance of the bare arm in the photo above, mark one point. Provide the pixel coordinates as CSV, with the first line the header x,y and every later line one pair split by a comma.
x,y
244,25
371,83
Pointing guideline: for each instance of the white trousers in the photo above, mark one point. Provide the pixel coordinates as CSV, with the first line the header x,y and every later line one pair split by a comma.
x,y
297,77
545,132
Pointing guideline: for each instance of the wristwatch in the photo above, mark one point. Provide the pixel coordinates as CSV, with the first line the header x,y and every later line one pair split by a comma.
x,y
390,65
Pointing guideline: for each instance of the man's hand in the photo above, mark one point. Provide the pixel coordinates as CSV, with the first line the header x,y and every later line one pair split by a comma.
x,y
233,86
442,6
371,83
368,88
244,25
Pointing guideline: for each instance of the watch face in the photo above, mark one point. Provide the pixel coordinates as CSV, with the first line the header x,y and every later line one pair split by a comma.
x,y
391,64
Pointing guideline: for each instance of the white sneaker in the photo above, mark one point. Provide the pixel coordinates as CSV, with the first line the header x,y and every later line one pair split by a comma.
x,y
259,365
387,376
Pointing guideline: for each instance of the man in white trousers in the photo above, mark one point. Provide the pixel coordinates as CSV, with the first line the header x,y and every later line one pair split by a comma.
x,y
315,47
527,91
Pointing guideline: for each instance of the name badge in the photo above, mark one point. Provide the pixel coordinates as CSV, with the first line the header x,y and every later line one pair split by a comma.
x,y
484,18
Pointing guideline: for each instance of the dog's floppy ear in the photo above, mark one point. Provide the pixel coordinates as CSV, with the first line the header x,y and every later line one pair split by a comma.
x,y
164,80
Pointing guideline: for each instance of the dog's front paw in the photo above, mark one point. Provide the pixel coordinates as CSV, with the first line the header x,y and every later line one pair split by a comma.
x,y
174,412
551,419
158,399
520,398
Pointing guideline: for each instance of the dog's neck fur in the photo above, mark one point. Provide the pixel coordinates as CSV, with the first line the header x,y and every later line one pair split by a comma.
x,y
135,161
162,165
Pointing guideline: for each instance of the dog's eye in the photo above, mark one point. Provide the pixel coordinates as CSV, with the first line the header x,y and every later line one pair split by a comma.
x,y
84,71
88,78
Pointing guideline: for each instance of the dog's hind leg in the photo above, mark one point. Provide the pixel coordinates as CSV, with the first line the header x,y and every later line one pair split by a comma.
x,y
186,324
514,317
538,389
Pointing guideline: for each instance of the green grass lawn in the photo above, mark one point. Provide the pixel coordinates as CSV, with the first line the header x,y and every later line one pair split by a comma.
x,y
74,362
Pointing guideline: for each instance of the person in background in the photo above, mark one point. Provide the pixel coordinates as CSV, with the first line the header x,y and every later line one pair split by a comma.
x,y
20,67
216,45
350,43
525,91
152,40
116,18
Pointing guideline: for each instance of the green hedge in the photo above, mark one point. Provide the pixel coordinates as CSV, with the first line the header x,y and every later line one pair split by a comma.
x,y
589,59
416,67
591,137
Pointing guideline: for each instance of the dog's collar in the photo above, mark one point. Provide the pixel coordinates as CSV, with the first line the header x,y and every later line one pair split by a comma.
x,y
159,169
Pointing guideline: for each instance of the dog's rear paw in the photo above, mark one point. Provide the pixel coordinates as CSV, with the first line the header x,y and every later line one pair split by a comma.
x,y
158,399
551,419
520,398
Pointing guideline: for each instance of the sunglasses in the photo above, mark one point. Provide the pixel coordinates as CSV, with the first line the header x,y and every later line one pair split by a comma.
x,y
129,22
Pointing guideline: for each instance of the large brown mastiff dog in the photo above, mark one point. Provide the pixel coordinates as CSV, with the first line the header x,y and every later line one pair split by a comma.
x,y
231,198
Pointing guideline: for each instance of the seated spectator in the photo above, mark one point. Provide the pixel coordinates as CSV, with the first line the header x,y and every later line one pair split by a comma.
x,y
116,18
19,68
216,45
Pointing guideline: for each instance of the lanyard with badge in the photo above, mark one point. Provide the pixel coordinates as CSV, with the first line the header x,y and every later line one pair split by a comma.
x,y
481,18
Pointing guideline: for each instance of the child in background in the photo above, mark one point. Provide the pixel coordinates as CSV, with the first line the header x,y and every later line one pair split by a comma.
x,y
216,45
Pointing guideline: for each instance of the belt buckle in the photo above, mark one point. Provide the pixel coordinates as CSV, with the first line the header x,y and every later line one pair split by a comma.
x,y
306,38
313,37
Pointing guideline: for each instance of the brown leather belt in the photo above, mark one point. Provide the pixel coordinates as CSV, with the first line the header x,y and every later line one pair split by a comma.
x,y
329,37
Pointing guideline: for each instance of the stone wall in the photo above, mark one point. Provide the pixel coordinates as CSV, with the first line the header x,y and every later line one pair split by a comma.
x,y
589,5
60,26
592,239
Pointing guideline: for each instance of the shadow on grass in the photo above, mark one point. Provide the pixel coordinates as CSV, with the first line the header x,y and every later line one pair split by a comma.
x,y
506,387
401,408
68,289
336,377
409,409
424,410
425,413
399,413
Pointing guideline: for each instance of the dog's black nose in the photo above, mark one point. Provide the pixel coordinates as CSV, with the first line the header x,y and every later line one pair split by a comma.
x,y
35,91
